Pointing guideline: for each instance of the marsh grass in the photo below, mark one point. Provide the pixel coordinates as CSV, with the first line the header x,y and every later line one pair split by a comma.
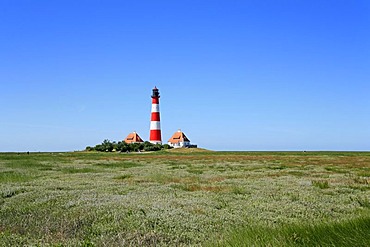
x,y
179,199
297,173
335,169
363,202
361,188
364,173
8,193
195,171
200,187
361,180
354,232
123,176
322,184
73,170
14,177
277,167
124,164
239,190
28,164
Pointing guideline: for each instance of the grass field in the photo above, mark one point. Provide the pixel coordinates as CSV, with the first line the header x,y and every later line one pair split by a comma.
x,y
185,199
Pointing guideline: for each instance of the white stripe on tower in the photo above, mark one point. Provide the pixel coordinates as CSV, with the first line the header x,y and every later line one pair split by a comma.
x,y
155,107
155,125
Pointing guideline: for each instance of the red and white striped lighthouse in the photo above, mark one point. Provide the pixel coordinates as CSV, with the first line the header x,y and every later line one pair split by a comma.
x,y
155,122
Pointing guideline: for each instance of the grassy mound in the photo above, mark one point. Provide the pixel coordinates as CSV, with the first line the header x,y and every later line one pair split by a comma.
x,y
188,150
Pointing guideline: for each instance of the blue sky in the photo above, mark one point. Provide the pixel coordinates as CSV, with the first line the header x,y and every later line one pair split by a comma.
x,y
233,75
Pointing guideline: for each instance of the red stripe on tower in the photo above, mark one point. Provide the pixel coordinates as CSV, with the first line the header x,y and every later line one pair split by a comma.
x,y
155,121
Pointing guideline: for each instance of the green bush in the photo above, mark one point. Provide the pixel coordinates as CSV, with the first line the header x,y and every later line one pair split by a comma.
x,y
109,146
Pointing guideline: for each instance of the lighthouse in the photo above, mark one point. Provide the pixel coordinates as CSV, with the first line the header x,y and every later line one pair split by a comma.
x,y
155,122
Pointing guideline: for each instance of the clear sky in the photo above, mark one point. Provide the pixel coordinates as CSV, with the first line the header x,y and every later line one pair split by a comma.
x,y
233,75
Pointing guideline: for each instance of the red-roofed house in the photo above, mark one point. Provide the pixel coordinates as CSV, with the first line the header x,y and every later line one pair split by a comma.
x,y
133,138
179,140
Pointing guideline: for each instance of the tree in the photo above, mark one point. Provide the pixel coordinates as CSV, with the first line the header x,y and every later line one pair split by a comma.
x,y
136,147
123,147
148,146
99,148
107,145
